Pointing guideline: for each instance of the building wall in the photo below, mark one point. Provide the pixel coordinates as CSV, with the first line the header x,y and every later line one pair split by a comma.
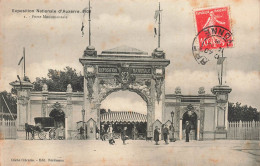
x,y
204,106
41,104
209,123
167,113
211,110
35,112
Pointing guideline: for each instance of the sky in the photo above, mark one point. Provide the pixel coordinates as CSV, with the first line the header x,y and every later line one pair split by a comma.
x,y
57,43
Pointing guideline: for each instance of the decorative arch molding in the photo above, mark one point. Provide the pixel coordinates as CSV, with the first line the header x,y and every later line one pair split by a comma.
x,y
191,108
51,106
141,87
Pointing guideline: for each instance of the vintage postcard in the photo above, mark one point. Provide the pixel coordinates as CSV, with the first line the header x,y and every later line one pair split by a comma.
x,y
129,82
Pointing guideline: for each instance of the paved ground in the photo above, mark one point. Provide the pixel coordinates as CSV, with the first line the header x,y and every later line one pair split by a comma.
x,y
135,153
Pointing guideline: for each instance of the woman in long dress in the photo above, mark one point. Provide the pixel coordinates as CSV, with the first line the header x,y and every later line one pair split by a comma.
x,y
110,135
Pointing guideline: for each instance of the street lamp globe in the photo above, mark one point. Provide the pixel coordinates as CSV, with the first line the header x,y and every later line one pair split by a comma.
x,y
83,112
172,114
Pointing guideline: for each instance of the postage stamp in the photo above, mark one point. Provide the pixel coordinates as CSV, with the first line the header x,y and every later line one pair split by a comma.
x,y
213,33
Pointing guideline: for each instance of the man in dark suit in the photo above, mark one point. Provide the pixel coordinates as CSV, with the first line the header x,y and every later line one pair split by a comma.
x,y
102,133
156,135
187,130
165,134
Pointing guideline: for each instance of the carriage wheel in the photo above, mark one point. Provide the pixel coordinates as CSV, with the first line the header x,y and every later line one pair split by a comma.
x,y
42,135
52,134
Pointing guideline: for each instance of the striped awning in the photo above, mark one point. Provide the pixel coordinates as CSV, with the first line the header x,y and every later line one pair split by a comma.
x,y
123,116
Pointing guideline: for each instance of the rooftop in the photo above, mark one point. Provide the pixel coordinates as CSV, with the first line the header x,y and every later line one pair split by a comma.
x,y
124,51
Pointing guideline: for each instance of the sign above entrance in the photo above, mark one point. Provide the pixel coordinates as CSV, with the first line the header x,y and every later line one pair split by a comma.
x,y
107,70
115,70
142,71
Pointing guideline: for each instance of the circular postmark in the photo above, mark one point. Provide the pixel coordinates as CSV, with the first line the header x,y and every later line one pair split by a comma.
x,y
210,42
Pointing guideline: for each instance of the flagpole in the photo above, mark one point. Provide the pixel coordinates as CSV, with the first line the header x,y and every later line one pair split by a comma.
x,y
159,26
24,63
221,74
89,20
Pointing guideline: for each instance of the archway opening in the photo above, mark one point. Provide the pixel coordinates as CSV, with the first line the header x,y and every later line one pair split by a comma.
x,y
191,117
124,109
59,117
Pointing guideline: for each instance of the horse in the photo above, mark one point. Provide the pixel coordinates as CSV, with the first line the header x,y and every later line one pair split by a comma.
x,y
29,129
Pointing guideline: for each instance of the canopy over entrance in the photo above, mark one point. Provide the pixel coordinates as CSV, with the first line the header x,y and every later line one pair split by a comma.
x,y
135,123
123,117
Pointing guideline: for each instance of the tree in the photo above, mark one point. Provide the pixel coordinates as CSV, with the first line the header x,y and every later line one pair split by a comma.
x,y
58,80
236,112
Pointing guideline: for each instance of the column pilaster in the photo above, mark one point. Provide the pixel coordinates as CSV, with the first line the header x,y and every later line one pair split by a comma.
x,y
221,92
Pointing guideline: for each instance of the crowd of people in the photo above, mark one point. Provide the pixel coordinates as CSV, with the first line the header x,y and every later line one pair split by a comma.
x,y
167,133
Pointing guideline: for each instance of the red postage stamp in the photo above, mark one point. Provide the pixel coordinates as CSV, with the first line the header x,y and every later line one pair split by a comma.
x,y
213,28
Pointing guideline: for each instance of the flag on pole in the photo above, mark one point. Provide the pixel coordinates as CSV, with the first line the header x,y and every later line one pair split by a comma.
x,y
20,61
221,60
21,66
85,10
156,15
82,29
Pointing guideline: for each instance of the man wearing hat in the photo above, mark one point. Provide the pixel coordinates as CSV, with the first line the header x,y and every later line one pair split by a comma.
x,y
187,130
156,135
102,133
165,134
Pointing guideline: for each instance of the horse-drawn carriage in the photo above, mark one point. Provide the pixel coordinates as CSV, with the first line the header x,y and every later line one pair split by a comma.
x,y
43,126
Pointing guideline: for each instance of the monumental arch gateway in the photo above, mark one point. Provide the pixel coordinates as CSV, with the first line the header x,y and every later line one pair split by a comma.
x,y
123,68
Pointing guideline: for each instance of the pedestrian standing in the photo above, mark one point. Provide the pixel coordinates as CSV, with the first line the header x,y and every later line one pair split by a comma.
x,y
171,133
110,135
61,132
187,130
156,135
102,133
123,135
81,132
97,133
165,134
134,133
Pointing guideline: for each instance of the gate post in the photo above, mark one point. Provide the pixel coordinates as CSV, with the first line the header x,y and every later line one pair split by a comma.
x,y
180,134
150,120
23,105
221,92
198,130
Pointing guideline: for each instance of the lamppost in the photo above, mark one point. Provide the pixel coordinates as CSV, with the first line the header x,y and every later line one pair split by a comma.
x,y
83,119
172,115
171,128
